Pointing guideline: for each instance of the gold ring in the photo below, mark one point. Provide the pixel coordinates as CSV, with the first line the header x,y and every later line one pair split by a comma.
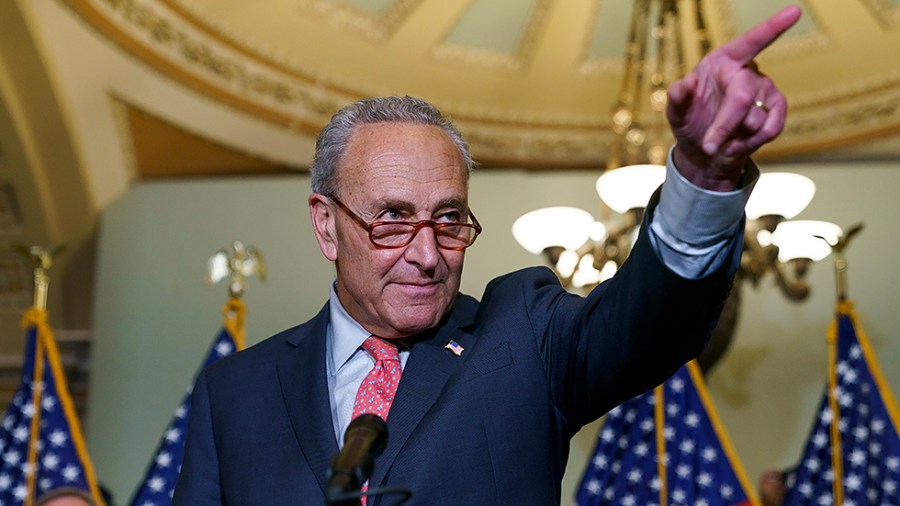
x,y
762,105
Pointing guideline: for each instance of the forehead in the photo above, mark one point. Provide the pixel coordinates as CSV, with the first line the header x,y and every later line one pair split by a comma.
x,y
404,161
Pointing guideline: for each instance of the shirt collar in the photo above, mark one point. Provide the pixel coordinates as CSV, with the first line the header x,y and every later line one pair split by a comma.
x,y
346,334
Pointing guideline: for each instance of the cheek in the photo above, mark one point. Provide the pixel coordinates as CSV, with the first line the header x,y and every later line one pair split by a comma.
x,y
366,267
454,261
380,264
355,249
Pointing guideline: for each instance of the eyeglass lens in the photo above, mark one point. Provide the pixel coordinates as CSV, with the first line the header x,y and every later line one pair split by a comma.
x,y
400,234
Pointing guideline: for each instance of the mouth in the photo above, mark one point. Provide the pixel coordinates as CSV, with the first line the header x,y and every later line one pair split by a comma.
x,y
418,287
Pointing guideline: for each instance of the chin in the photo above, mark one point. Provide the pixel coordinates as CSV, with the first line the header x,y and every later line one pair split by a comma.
x,y
408,328
411,324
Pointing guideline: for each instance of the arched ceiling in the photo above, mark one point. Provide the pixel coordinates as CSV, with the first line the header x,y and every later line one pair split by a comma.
x,y
530,82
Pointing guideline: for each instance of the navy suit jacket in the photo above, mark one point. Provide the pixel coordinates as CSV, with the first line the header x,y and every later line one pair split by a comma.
x,y
491,426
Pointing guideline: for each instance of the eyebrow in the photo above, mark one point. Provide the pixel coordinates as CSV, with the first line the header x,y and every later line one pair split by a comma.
x,y
454,203
403,205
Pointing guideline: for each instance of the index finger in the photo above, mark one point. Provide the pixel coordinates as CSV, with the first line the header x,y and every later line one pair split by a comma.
x,y
746,46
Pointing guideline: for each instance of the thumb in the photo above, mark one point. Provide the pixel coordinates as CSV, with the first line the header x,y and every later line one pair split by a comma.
x,y
681,96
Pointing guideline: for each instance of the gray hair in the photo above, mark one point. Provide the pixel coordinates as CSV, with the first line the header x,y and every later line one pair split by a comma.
x,y
333,139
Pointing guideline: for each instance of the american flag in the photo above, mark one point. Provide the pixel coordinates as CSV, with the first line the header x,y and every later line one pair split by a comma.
x,y
158,485
42,449
455,348
665,447
867,444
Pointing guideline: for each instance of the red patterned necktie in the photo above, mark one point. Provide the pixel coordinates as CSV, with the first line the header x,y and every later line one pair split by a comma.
x,y
376,392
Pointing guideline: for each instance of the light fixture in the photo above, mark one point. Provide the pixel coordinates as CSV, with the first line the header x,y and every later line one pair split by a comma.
x,y
780,194
803,239
565,227
630,187
584,252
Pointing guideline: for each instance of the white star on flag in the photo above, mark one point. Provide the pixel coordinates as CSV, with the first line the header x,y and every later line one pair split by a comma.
x,y
224,348
71,473
58,438
164,459
156,483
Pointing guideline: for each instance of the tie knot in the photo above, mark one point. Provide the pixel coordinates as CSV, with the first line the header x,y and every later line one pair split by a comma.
x,y
380,349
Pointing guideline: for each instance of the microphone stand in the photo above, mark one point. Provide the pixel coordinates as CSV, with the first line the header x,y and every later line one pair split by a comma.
x,y
365,439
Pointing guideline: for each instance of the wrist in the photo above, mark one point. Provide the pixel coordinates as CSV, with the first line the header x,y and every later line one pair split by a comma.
x,y
715,173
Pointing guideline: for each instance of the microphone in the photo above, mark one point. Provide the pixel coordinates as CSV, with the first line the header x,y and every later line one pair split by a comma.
x,y
365,439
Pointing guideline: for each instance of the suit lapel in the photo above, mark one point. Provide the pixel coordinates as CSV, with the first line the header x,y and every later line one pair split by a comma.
x,y
429,367
304,387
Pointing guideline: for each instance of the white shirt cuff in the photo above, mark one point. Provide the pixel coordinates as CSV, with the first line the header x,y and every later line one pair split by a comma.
x,y
693,229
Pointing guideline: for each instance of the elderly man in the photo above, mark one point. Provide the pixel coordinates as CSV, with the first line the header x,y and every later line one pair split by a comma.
x,y
480,397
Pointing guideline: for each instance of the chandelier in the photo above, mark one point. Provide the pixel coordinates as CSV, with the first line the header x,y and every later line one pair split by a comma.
x,y
584,251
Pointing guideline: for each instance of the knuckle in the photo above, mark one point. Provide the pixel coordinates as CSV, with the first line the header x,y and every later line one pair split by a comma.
x,y
771,131
723,130
744,98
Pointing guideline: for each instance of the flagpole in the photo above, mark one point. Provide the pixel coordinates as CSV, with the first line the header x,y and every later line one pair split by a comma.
x,y
840,271
659,415
835,433
45,350
35,429
41,260
840,261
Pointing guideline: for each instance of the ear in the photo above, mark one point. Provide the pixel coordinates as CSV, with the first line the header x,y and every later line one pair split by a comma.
x,y
322,216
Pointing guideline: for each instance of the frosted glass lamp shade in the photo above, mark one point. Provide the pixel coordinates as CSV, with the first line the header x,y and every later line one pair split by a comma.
x,y
586,273
568,227
797,239
629,187
780,194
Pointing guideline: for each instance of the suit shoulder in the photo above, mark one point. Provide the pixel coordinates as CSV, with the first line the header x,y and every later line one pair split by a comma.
x,y
529,293
258,357
526,277
530,283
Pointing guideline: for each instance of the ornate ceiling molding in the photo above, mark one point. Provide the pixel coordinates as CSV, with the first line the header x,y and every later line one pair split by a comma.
x,y
847,123
212,56
378,27
158,36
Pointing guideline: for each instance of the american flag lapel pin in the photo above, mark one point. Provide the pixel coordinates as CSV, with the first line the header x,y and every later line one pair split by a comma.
x,y
455,348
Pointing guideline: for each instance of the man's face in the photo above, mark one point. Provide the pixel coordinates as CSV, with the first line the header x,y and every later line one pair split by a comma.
x,y
392,172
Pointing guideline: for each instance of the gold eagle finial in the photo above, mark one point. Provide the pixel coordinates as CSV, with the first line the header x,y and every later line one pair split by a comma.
x,y
236,263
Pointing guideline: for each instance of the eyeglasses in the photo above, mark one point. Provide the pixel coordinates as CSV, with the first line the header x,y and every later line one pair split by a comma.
x,y
397,234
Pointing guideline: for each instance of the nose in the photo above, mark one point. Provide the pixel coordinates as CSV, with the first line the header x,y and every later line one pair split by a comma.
x,y
423,250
